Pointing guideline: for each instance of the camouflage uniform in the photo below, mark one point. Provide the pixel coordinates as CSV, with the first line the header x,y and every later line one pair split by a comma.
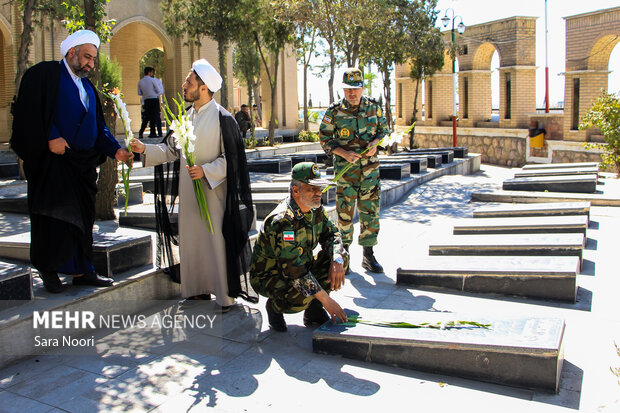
x,y
283,266
352,128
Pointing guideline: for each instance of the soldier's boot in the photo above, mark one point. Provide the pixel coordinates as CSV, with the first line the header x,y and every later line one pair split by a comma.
x,y
315,314
347,269
369,262
276,320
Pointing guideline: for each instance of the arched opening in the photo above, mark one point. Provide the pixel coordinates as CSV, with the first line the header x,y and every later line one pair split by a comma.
x,y
486,84
134,46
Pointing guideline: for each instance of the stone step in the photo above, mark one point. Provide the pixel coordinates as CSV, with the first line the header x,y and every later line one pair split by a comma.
x,y
114,252
552,278
557,172
532,210
525,352
522,225
543,197
270,165
416,164
15,285
328,196
511,244
9,169
577,165
567,183
395,171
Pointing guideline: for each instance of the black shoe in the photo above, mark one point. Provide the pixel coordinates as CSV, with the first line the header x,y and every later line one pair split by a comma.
x,y
369,262
276,320
315,314
92,278
51,282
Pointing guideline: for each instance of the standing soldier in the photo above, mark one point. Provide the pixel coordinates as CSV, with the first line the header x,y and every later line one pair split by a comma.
x,y
349,127
283,266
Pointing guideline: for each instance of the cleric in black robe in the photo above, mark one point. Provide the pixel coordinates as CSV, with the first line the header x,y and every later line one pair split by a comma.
x,y
60,134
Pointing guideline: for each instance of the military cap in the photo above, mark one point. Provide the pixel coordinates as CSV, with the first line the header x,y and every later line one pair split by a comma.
x,y
308,173
352,78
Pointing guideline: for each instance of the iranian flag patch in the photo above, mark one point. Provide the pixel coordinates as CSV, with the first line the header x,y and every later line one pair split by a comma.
x,y
289,235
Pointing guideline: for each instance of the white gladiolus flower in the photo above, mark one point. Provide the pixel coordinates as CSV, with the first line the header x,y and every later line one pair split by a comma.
x,y
391,139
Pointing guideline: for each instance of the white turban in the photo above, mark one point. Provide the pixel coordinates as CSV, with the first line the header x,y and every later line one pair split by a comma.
x,y
208,74
78,38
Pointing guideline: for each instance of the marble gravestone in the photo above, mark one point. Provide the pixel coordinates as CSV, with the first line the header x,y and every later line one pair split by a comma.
x,y
524,352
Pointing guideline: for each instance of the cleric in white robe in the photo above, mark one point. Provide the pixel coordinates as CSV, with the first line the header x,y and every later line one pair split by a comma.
x,y
210,263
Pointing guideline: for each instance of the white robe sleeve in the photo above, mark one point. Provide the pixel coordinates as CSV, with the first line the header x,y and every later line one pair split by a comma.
x,y
215,172
158,154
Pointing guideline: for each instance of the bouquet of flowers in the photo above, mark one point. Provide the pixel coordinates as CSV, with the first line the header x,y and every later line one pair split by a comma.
x,y
185,138
387,140
121,111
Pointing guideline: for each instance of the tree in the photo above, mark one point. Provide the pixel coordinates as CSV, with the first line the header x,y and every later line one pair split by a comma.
x,y
273,30
220,20
246,68
326,22
605,115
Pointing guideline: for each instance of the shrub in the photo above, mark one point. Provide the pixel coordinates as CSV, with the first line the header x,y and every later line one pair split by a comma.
x,y
308,136
605,115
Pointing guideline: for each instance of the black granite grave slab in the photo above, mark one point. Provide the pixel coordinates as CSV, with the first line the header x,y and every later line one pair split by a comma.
x,y
598,199
560,165
15,285
17,203
145,218
524,352
147,182
447,156
9,169
266,202
135,194
567,183
114,252
532,210
416,164
522,225
433,160
328,196
270,165
299,157
556,172
511,244
459,151
395,171
552,278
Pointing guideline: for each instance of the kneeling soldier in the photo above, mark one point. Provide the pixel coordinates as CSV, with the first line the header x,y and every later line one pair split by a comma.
x,y
284,268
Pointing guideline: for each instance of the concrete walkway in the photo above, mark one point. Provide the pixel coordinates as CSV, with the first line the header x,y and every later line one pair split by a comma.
x,y
240,365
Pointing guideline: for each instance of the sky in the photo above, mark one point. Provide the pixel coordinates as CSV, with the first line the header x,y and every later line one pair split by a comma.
x,y
480,11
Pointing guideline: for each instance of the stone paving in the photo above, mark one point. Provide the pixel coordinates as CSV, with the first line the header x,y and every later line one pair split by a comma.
x,y
243,366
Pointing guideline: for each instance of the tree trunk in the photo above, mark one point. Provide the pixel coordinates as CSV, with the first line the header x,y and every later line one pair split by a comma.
x,y
274,84
415,114
306,122
332,71
108,175
24,42
221,55
388,95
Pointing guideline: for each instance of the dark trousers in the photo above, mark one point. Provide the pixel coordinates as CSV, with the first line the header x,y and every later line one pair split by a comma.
x,y
151,115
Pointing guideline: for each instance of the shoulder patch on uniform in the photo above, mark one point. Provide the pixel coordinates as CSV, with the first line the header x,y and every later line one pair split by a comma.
x,y
288,235
327,119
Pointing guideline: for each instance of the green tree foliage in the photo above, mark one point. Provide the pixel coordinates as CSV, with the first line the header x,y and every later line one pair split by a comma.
x,y
153,58
221,20
605,115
